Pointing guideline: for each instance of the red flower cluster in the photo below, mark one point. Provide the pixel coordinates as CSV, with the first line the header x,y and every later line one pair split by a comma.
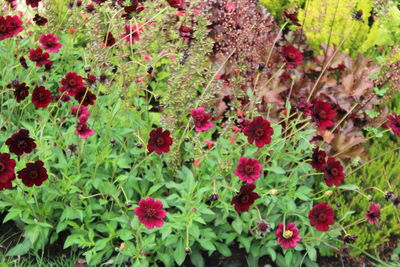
x,y
394,123
160,141
248,170
7,173
244,198
33,174
41,58
150,213
287,236
10,26
259,131
322,114
20,143
41,97
201,119
321,216
291,55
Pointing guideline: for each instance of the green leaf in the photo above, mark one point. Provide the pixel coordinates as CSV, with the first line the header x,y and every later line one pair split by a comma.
x,y
272,253
312,253
197,258
237,225
20,249
223,249
288,258
179,253
207,244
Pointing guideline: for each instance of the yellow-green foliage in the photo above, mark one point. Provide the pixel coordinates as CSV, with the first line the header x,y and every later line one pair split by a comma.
x,y
276,7
330,21
383,173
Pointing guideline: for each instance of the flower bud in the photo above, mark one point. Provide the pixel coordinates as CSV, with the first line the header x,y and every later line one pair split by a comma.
x,y
328,193
128,204
188,251
213,197
273,192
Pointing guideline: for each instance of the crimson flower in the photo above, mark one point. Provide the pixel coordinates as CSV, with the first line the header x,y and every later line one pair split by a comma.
x,y
21,91
318,159
151,213
186,32
41,97
248,170
333,172
244,198
90,8
20,143
91,79
85,97
260,131
373,213
50,43
292,17
33,174
22,60
291,55
81,112
322,114
109,39
7,173
176,3
39,20
160,141
83,130
37,55
32,3
201,119
10,26
321,216
287,236
132,33
71,83
394,123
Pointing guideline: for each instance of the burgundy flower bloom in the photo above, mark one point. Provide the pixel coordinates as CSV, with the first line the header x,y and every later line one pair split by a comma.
x,y
186,32
50,43
83,130
85,97
90,8
287,236
394,123
71,83
150,213
304,106
132,33
176,3
322,114
20,143
22,60
159,141
10,26
109,39
91,79
135,7
244,198
37,55
248,170
333,172
318,159
291,55
80,112
201,119
32,3
321,216
40,21
7,173
260,131
41,97
373,213
21,91
33,174
292,17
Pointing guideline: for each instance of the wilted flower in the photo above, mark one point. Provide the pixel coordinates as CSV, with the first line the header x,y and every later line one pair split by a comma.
x,y
150,213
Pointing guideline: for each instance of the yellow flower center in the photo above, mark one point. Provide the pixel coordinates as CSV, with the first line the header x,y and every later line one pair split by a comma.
x,y
287,234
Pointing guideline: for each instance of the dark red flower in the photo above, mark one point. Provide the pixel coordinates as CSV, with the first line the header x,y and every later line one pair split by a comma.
x,y
32,3
10,26
33,174
318,159
50,43
160,141
13,3
41,97
85,97
394,123
292,17
109,39
99,2
22,60
304,106
321,216
72,83
244,198
151,213
91,79
176,3
201,119
248,170
322,114
135,7
7,173
260,131
90,8
333,172
80,112
373,213
287,236
20,143
186,32
291,55
83,130
37,55
132,33
40,21
21,91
